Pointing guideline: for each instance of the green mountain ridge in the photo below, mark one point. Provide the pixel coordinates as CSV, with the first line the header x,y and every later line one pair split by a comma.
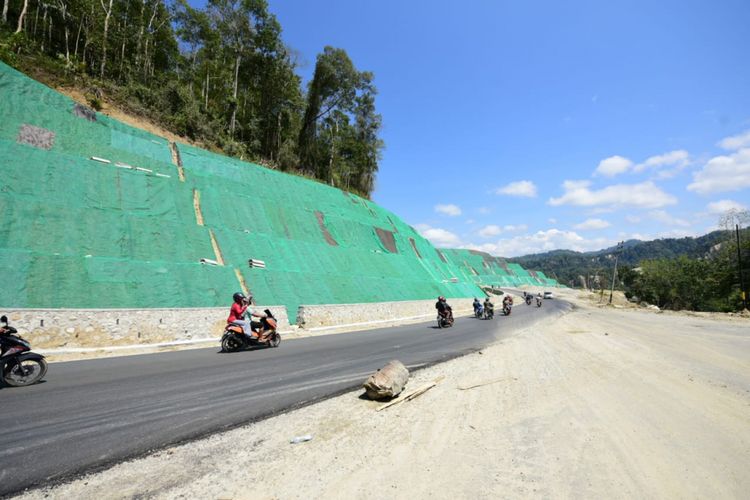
x,y
567,265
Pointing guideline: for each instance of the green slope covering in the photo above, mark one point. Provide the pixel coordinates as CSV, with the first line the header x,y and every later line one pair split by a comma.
x,y
80,233
486,270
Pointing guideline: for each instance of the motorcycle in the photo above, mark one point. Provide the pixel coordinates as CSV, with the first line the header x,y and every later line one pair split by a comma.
x,y
489,312
445,321
479,312
234,338
538,302
18,365
506,309
528,300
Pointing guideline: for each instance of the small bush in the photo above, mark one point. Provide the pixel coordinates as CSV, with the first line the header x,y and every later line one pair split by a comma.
x,y
95,103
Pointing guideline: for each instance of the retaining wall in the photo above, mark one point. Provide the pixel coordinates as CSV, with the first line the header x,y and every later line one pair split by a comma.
x,y
369,315
102,328
71,328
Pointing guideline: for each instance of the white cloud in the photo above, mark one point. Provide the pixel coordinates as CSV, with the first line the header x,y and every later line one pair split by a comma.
x,y
452,210
633,219
439,237
665,218
737,141
552,220
643,195
489,231
518,188
542,241
614,165
723,173
484,210
600,210
677,157
678,160
592,224
722,206
515,227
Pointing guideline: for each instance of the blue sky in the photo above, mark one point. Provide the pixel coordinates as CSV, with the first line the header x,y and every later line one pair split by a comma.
x,y
524,126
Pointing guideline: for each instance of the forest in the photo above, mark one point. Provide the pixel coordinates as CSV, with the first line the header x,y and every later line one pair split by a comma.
x,y
220,76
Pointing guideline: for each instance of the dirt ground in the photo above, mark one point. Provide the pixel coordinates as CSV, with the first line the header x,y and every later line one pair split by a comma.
x,y
119,114
600,403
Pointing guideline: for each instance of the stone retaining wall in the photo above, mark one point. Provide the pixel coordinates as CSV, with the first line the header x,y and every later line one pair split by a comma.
x,y
100,328
70,328
315,317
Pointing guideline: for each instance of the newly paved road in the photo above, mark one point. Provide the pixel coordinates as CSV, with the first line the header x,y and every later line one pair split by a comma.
x,y
90,414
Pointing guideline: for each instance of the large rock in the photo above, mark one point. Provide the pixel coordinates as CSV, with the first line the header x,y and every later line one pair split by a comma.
x,y
387,382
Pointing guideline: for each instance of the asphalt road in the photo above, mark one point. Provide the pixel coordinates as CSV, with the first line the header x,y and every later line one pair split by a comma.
x,y
87,415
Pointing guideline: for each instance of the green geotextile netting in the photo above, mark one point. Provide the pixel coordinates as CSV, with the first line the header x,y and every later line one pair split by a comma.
x,y
76,232
320,244
26,102
484,269
81,233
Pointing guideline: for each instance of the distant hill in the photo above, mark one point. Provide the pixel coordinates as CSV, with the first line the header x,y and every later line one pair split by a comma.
x,y
566,265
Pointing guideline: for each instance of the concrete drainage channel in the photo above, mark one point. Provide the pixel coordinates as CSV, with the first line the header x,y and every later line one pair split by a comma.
x,y
88,332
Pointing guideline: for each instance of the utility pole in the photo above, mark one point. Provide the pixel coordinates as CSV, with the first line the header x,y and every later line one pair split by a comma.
x,y
614,271
739,268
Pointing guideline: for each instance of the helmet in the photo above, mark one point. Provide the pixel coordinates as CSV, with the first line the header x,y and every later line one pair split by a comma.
x,y
441,298
238,296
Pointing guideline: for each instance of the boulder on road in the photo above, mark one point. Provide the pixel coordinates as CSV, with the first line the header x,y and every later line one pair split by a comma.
x,y
387,382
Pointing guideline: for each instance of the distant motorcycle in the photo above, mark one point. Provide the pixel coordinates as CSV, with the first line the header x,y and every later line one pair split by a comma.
x,y
539,302
18,365
234,338
528,300
506,309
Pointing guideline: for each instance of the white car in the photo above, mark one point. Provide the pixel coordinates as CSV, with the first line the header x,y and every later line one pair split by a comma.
x,y
548,295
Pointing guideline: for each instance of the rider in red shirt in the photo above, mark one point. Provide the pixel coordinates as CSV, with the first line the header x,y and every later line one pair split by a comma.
x,y
237,314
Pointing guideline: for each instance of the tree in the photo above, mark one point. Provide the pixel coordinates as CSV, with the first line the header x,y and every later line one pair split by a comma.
x,y
108,14
22,16
238,22
336,150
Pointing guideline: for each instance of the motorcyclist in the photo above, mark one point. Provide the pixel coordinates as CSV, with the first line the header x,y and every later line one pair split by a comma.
x,y
488,305
508,300
239,310
477,306
444,310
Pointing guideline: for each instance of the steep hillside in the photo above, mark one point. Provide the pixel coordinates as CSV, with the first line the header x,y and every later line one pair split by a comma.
x,y
97,214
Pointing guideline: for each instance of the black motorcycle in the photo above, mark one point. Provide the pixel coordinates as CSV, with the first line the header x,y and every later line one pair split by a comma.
x,y
234,338
445,320
18,365
528,300
489,312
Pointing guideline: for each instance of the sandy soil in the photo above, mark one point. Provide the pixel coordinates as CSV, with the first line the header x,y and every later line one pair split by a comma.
x,y
119,114
600,403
